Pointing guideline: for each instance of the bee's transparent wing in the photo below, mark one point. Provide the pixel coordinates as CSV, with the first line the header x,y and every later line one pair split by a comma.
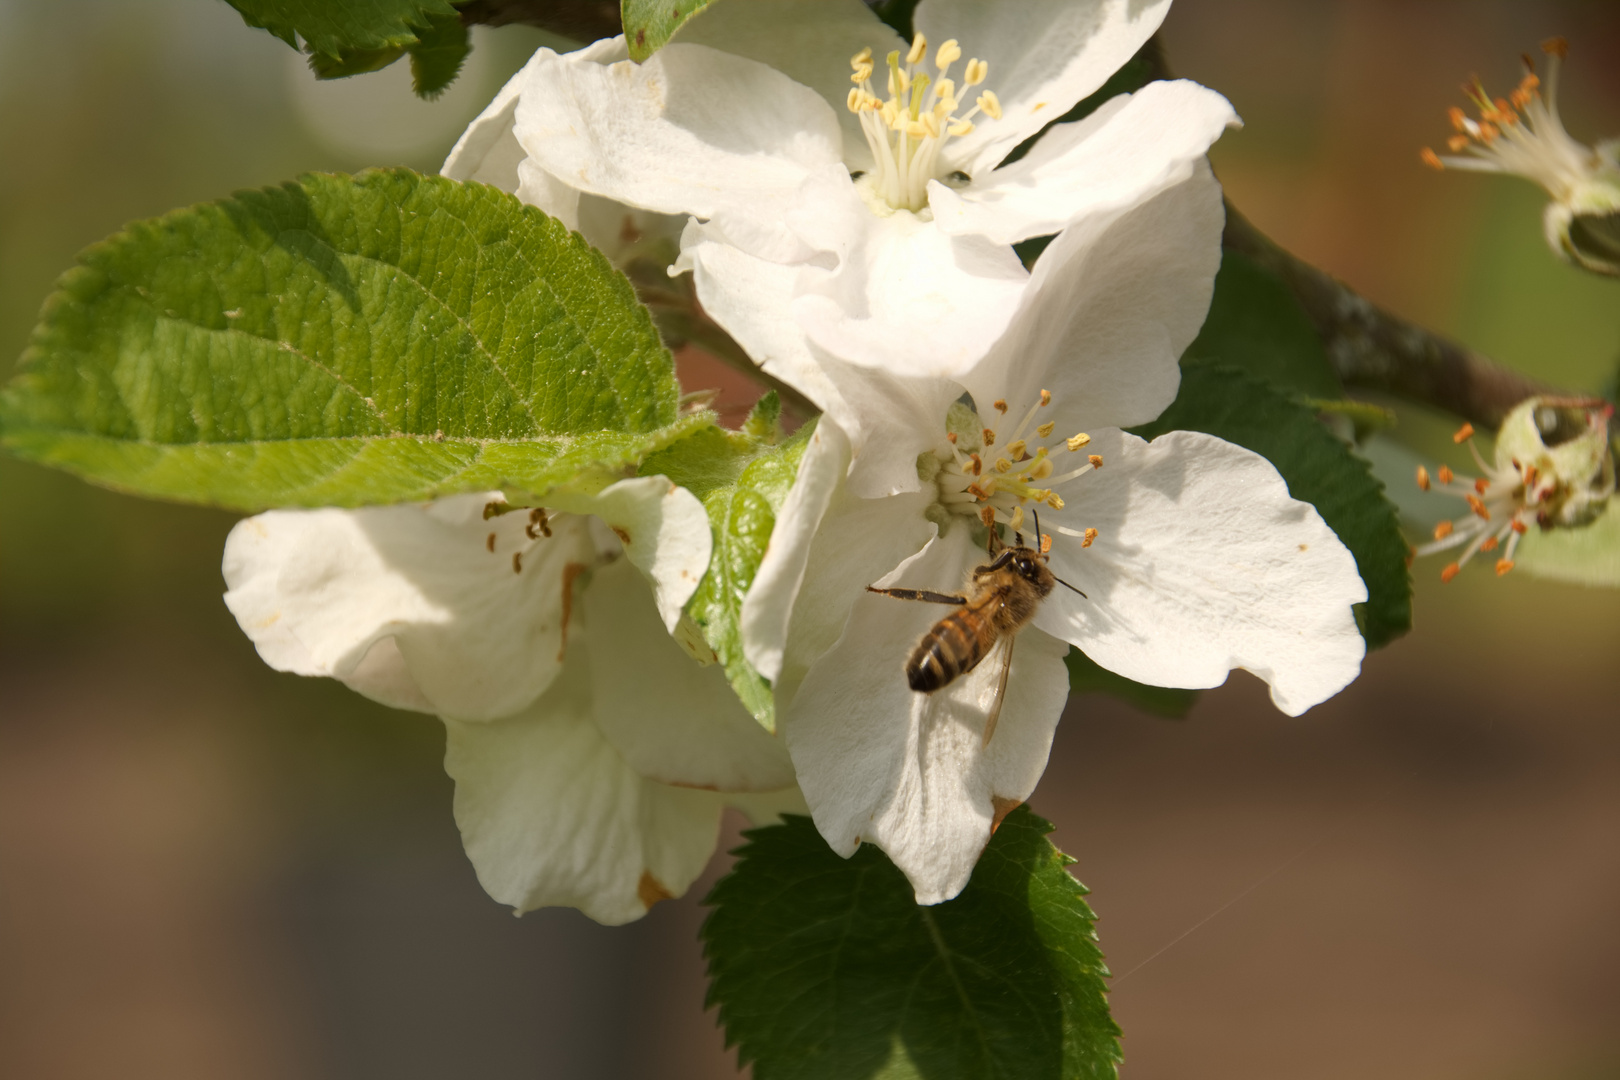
x,y
1003,656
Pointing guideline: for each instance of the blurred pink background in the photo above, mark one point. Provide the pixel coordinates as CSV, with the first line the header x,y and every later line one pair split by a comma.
x,y
208,869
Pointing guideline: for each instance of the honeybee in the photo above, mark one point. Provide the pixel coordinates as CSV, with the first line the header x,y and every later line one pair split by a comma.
x,y
1001,597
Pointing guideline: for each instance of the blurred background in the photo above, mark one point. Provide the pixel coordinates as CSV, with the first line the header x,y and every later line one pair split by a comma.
x,y
208,869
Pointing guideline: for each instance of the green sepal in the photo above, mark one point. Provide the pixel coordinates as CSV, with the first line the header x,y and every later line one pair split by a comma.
x,y
826,968
342,341
649,24
1086,676
742,478
1319,469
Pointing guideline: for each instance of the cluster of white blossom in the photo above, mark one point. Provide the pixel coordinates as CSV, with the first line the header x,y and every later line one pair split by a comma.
x,y
859,246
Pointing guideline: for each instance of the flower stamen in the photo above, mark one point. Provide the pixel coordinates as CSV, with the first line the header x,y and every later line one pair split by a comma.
x,y
907,130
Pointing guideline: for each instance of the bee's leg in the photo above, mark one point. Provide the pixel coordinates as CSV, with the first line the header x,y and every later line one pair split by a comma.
x,y
920,594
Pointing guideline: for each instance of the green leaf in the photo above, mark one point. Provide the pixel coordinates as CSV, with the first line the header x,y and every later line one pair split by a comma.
x,y
1256,323
437,58
336,27
1086,676
340,341
742,479
1319,469
826,969
649,24
1588,555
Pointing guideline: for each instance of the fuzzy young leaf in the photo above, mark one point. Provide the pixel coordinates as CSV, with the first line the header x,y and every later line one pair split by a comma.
x,y
1586,555
742,479
1319,469
827,969
334,27
649,24
339,341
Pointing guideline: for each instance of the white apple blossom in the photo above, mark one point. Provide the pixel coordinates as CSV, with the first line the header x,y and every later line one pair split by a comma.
x,y
1552,470
592,757
1192,558
1523,135
819,229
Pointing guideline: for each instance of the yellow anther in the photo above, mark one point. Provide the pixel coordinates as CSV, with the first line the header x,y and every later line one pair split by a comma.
x,y
1079,441
1046,543
961,127
1003,465
856,99
990,104
1046,398
1423,478
1503,566
1016,522
1043,470
1442,530
977,71
929,123
989,436
1096,461
1555,46
862,74
948,54
1463,433
919,49
946,89
1091,535
1015,449
1432,159
1053,500
1000,405
862,57
1045,430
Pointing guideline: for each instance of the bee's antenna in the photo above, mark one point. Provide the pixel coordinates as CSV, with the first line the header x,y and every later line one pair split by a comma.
x,y
1066,585
1039,541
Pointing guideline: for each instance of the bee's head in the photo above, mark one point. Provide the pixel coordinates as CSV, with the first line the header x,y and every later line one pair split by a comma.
x,y
1029,564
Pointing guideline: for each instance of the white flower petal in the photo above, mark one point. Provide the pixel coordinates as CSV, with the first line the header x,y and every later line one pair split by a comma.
x,y
910,300
1044,57
670,719
664,529
481,634
1131,148
768,607
488,151
1202,564
691,131
889,420
810,43
768,807
1111,306
907,771
860,541
550,814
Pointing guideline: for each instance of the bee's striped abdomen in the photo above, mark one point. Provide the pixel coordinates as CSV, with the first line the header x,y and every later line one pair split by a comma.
x,y
955,644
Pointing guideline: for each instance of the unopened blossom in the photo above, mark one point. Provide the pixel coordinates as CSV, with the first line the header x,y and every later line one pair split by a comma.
x,y
592,757
818,226
1552,469
1191,557
1523,135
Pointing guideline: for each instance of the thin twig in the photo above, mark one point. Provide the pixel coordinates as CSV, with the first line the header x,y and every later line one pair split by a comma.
x,y
1371,349
581,20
